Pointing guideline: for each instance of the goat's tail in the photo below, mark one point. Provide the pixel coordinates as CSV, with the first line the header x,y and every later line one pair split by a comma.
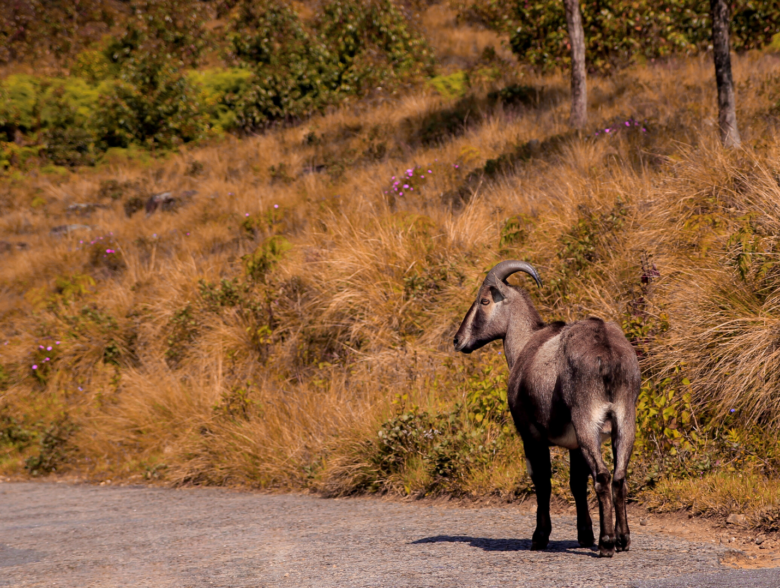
x,y
603,366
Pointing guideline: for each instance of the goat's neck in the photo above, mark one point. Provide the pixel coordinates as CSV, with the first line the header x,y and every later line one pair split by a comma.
x,y
518,334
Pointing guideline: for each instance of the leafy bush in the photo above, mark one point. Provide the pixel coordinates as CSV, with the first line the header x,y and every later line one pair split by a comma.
x,y
18,105
292,77
372,45
132,88
221,92
52,449
621,32
447,446
355,45
270,252
170,29
183,330
153,104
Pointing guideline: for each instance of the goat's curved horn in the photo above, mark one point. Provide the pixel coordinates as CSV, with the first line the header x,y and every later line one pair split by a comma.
x,y
505,269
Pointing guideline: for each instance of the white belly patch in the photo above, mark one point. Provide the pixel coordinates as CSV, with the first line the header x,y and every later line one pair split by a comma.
x,y
569,439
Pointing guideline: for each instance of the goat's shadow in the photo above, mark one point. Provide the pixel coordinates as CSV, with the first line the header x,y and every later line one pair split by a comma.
x,y
489,544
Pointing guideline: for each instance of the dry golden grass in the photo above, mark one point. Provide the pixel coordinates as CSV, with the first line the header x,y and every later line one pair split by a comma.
x,y
719,495
363,307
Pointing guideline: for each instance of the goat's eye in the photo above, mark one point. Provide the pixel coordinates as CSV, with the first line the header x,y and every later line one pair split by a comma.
x,y
484,302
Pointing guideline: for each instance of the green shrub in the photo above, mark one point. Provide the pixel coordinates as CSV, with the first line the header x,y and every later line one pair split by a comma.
x,y
220,93
259,263
171,29
183,330
132,89
18,105
354,46
52,448
454,85
372,44
4,379
292,73
92,65
152,104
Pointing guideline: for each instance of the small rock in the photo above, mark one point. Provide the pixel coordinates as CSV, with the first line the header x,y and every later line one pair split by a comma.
x,y
314,169
5,247
732,540
764,546
189,193
643,522
83,208
736,519
60,230
164,201
760,539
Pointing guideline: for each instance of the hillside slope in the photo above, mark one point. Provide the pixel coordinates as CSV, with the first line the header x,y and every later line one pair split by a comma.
x,y
277,311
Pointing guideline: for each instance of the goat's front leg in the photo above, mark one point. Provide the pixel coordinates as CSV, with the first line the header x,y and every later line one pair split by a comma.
x,y
538,460
591,451
578,482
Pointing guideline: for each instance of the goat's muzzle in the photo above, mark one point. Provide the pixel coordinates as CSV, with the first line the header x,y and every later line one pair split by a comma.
x,y
459,346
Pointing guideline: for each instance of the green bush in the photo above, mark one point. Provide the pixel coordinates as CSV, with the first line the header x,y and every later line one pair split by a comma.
x,y
18,105
169,29
221,91
292,77
372,45
354,46
153,104
132,89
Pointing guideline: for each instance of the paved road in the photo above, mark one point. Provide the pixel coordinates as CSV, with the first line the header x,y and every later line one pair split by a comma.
x,y
79,535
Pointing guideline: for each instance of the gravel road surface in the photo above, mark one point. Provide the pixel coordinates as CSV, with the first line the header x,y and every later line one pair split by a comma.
x,y
81,535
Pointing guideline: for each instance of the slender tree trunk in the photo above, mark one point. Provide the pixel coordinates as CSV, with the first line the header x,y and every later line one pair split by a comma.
x,y
579,87
727,110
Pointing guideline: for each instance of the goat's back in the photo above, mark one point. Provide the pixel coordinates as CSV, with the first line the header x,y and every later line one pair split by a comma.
x,y
598,362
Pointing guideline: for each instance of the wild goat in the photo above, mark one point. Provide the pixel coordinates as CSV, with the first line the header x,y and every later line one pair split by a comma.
x,y
570,385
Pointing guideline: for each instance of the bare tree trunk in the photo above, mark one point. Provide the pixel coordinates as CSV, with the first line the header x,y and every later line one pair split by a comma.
x,y
727,110
579,87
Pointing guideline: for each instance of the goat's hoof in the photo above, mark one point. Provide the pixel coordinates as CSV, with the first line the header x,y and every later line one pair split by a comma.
x,y
539,543
607,547
623,542
585,538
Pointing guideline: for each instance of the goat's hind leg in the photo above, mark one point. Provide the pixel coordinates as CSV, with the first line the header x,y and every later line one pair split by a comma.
x,y
578,482
538,459
591,452
622,445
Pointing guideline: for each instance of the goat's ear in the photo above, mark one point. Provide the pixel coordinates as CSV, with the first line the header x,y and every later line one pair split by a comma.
x,y
496,294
